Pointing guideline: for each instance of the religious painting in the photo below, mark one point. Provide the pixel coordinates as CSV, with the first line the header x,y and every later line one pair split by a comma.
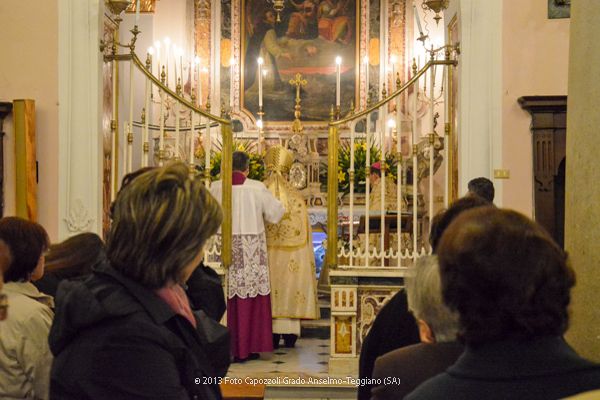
x,y
305,37
559,9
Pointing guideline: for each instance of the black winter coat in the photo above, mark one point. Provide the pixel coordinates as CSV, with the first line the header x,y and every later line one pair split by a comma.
x,y
115,339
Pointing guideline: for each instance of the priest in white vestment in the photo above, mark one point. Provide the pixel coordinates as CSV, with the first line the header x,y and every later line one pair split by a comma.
x,y
291,254
248,283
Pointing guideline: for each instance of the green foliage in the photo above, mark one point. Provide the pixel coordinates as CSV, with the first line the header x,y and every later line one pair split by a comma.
x,y
360,157
257,166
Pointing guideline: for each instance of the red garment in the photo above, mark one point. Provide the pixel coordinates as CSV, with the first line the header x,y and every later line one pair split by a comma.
x,y
238,178
176,298
250,326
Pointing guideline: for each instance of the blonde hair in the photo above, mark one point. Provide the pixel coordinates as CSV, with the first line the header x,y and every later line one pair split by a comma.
x,y
161,221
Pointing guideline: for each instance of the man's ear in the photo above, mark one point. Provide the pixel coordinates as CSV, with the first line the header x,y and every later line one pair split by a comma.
x,y
425,332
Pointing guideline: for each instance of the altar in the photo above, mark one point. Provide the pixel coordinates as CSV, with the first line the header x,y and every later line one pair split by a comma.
x,y
340,95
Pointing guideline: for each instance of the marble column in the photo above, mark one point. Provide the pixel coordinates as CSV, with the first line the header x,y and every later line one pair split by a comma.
x,y
582,227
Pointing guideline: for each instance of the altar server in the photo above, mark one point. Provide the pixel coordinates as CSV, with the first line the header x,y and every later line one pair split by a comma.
x,y
248,282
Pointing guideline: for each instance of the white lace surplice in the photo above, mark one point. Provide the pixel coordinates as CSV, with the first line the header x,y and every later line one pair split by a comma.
x,y
252,204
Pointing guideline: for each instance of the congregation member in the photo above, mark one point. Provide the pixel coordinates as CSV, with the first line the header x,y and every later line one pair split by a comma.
x,y
128,331
291,254
25,358
203,288
481,187
511,286
248,282
412,365
73,258
395,327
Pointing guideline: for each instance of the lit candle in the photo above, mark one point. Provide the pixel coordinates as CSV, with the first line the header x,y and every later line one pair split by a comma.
x,y
198,83
366,62
167,45
393,61
175,69
207,145
147,93
338,65
157,47
260,89
180,53
137,12
418,20
192,134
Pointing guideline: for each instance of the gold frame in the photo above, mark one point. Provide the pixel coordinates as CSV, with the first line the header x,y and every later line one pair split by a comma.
x,y
286,123
452,126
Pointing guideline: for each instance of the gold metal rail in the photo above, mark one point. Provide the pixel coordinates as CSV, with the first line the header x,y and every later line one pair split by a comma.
x,y
333,148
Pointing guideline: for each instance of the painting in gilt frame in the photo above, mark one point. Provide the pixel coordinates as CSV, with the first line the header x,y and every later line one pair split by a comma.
x,y
305,39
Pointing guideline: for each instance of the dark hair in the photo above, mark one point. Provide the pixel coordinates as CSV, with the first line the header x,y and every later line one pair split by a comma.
x,y
26,241
127,179
161,221
75,256
505,276
442,220
241,161
482,187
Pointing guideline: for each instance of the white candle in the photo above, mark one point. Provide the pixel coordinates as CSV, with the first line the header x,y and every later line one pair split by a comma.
x,y
393,60
147,113
338,64
260,91
366,62
167,45
207,145
180,52
192,135
199,82
175,67
157,47
418,20
137,12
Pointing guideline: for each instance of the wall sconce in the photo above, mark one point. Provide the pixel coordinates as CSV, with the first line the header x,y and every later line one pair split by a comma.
x,y
436,6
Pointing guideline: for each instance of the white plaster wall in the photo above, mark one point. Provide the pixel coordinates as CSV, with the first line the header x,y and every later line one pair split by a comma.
x,y
535,56
29,70
480,118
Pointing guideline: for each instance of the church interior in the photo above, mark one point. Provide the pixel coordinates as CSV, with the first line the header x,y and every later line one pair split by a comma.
x,y
387,107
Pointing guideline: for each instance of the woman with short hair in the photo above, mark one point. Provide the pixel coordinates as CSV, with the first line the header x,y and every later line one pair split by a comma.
x,y
24,354
128,332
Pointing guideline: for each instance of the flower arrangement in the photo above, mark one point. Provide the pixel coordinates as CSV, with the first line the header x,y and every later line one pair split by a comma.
x,y
360,157
257,167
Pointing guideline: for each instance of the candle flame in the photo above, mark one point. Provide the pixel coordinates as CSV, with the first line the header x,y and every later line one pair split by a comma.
x,y
260,61
151,50
338,60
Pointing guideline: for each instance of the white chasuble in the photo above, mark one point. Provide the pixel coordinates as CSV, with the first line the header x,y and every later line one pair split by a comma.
x,y
291,256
